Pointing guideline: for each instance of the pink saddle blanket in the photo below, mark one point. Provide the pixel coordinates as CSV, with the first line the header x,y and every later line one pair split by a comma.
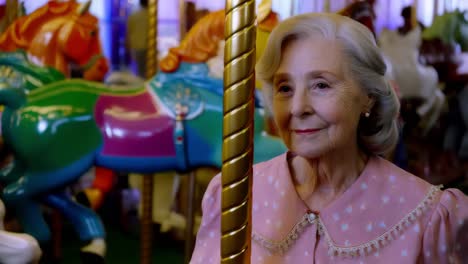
x,y
132,125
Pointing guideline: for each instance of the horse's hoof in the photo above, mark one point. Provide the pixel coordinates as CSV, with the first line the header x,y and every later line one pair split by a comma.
x,y
91,258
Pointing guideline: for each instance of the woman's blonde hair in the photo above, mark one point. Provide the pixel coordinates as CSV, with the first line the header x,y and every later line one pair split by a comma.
x,y
378,133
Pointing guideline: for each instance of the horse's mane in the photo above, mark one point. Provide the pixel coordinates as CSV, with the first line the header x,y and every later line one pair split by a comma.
x,y
199,45
201,42
20,33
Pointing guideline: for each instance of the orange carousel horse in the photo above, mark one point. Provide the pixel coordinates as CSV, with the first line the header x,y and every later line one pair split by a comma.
x,y
63,35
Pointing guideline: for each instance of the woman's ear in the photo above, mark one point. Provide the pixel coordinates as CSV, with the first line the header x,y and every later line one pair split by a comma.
x,y
369,104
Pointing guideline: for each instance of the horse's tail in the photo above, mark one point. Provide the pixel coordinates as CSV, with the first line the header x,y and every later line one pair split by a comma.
x,y
12,98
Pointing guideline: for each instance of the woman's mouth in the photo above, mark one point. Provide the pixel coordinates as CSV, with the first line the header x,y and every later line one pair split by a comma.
x,y
306,131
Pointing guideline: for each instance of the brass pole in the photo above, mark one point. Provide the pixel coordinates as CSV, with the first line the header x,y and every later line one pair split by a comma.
x,y
152,51
182,19
238,107
189,227
414,14
327,6
147,199
11,12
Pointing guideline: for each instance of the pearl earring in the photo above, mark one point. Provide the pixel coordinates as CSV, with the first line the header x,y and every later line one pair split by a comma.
x,y
367,114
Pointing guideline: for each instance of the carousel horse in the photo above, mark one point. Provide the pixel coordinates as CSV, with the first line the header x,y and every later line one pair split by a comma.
x,y
17,71
60,34
50,36
61,129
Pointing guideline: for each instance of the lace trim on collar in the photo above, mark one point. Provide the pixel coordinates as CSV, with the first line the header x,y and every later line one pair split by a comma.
x,y
282,246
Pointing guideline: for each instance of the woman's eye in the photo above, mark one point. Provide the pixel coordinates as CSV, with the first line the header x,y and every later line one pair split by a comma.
x,y
322,85
283,88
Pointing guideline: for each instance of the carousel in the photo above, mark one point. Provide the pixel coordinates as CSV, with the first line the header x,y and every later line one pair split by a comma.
x,y
104,142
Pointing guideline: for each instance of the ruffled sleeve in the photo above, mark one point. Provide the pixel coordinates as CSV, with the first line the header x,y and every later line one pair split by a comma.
x,y
443,236
207,247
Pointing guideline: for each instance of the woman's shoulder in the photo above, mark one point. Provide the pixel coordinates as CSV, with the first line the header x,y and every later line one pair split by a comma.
x,y
388,175
451,205
438,203
445,231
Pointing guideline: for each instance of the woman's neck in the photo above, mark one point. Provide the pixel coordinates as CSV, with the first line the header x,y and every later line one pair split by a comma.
x,y
327,176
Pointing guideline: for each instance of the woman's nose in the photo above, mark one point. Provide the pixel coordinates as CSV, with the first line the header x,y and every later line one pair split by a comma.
x,y
301,105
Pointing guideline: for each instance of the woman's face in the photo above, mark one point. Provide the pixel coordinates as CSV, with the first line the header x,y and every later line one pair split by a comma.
x,y
316,103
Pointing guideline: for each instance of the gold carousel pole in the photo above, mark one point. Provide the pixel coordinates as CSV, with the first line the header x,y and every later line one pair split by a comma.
x,y
11,11
146,232
414,14
182,19
238,107
327,6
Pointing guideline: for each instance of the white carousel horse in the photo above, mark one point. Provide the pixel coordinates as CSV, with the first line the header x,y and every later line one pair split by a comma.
x,y
17,248
413,78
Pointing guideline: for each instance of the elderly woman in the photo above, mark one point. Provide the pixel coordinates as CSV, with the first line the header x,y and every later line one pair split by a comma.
x,y
332,198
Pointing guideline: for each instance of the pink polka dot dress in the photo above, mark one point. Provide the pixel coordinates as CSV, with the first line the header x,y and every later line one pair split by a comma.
x,y
386,216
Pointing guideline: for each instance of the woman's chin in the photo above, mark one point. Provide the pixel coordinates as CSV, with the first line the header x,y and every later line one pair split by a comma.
x,y
311,153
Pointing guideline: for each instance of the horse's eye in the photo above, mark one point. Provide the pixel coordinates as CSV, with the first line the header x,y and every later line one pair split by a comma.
x,y
92,33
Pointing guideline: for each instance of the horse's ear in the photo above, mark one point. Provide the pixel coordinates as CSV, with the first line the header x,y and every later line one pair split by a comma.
x,y
84,7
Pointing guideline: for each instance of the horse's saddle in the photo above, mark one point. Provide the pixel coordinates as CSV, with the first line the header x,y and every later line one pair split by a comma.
x,y
135,126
